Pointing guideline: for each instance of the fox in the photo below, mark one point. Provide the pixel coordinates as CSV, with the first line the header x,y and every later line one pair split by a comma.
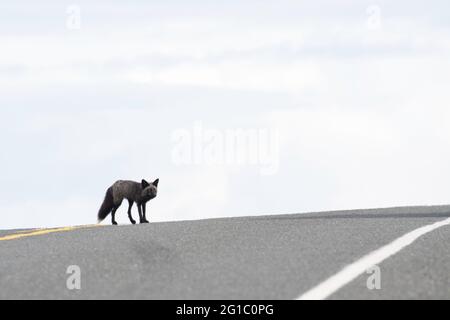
x,y
134,192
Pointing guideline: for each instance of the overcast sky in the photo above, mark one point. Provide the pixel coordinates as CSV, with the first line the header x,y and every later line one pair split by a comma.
x,y
347,104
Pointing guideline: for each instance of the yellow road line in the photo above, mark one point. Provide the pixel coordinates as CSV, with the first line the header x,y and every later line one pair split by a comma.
x,y
28,230
39,232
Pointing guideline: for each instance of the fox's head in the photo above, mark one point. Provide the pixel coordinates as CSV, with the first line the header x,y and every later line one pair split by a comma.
x,y
149,190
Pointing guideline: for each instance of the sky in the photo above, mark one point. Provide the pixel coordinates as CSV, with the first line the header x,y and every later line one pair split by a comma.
x,y
239,107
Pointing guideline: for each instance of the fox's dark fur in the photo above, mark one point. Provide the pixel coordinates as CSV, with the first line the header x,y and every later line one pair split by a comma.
x,y
137,192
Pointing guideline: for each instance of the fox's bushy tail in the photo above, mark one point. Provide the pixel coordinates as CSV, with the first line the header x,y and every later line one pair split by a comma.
x,y
107,205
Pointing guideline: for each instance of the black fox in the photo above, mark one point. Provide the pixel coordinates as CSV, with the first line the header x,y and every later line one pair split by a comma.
x,y
137,192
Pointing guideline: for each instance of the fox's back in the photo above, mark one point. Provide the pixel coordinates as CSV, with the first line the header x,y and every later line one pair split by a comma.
x,y
126,189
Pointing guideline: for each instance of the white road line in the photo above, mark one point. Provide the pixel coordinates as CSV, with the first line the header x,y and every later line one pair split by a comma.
x,y
352,271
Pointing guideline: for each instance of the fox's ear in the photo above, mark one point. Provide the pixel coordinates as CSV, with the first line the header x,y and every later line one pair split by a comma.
x,y
144,184
155,183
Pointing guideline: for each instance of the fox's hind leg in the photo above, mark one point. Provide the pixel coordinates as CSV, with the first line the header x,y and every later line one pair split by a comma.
x,y
113,213
113,216
130,205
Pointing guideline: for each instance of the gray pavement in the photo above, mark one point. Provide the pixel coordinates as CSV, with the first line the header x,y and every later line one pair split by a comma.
x,y
267,257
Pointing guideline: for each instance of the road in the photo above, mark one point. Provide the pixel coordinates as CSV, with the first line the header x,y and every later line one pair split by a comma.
x,y
266,257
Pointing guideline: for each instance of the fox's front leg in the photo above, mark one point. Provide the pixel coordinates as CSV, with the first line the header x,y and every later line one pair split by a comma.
x,y
140,212
144,209
130,205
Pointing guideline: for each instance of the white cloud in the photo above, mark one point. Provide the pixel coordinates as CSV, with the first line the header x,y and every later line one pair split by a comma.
x,y
362,114
240,75
375,157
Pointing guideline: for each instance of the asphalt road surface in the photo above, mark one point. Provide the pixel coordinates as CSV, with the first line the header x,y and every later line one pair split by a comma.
x,y
267,257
